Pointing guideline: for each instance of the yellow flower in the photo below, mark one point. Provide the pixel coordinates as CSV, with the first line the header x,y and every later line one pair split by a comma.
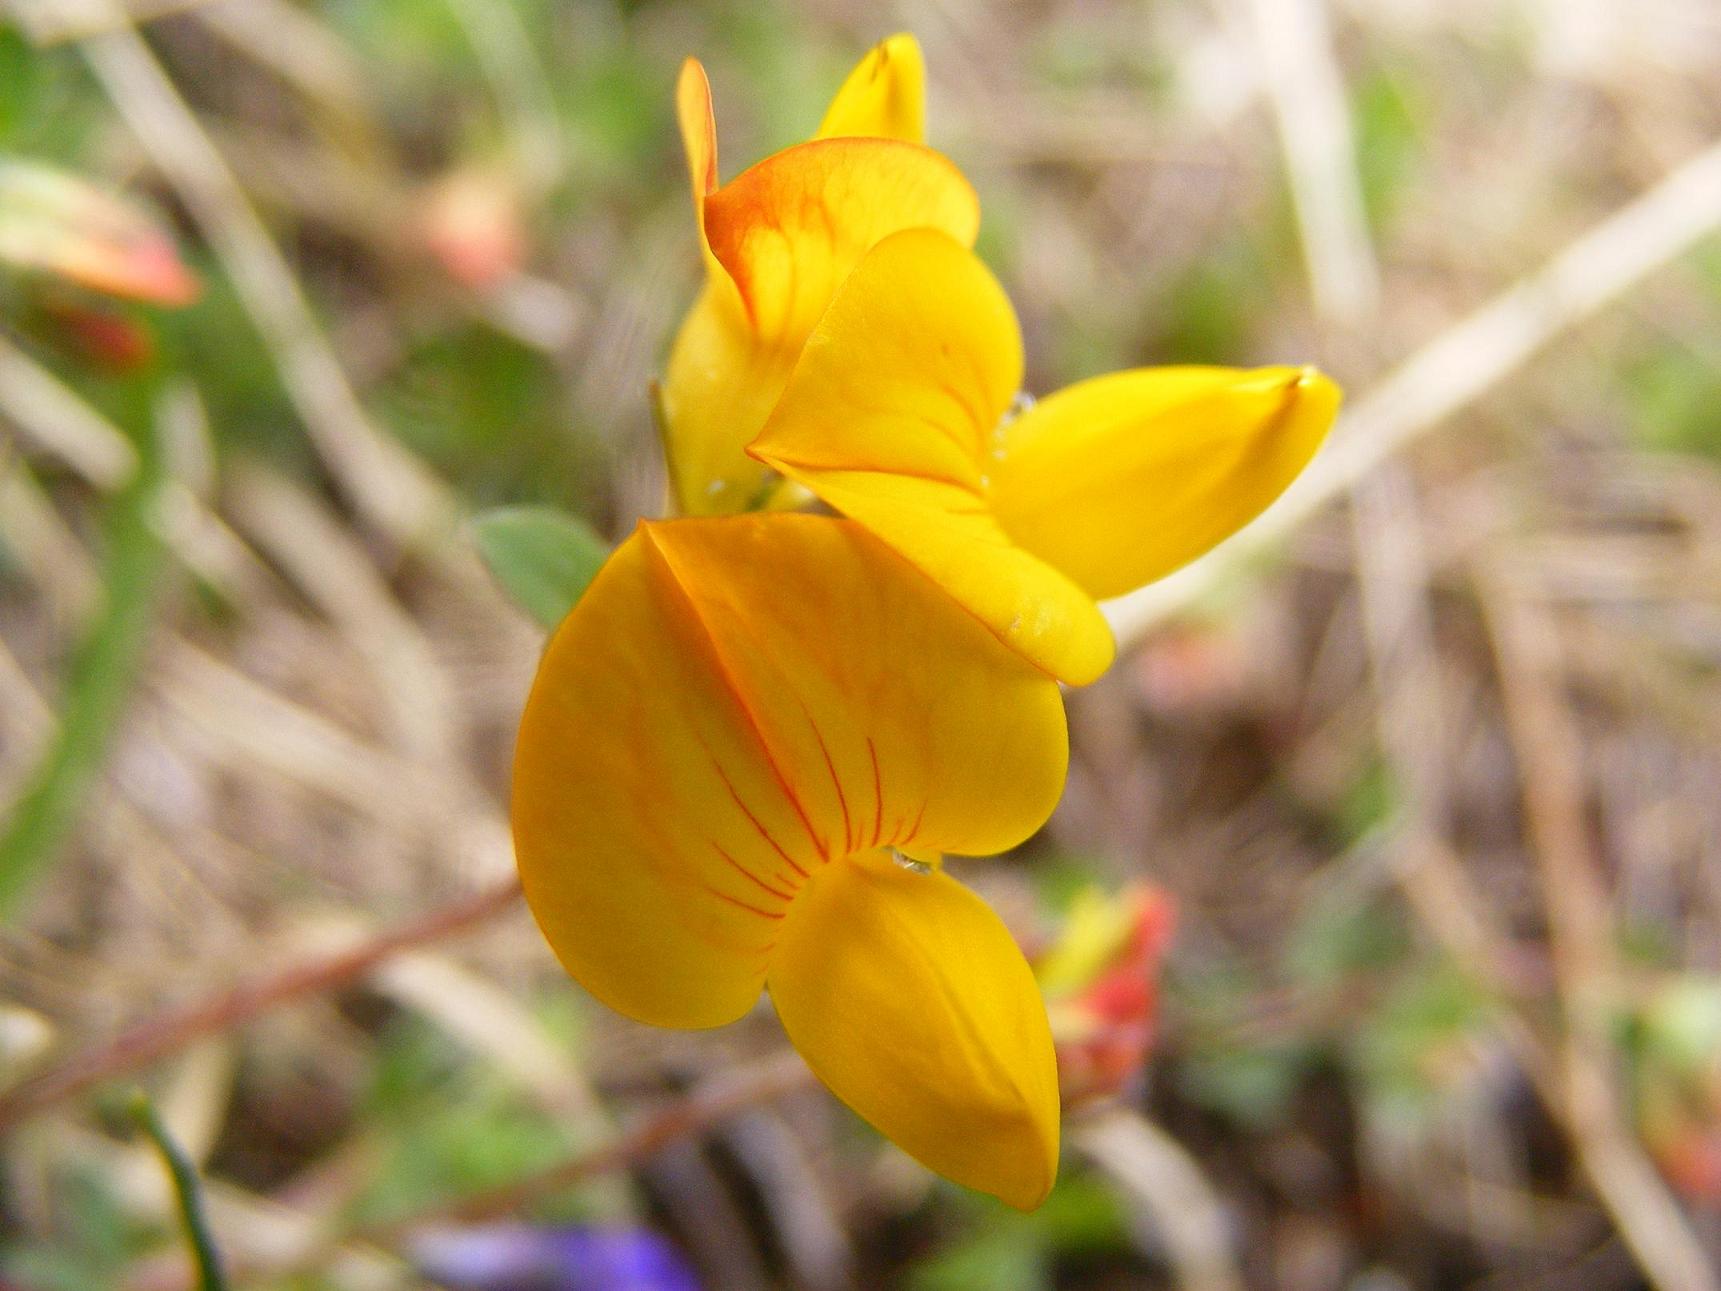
x,y
777,240
734,740
896,415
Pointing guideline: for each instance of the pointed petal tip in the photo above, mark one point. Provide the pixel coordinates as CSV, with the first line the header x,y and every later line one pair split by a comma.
x,y
1024,1179
884,96
1214,446
697,120
1318,389
910,1000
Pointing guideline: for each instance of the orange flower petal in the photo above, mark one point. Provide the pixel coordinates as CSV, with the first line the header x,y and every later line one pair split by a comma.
x,y
1119,480
910,1000
892,417
784,235
734,704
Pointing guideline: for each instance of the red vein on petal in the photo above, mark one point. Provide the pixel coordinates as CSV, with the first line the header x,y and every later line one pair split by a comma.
x,y
758,824
751,877
736,901
732,686
976,424
877,794
836,781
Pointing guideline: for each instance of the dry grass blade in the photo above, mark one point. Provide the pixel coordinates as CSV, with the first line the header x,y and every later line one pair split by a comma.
x,y
391,488
1174,1197
1550,761
155,1038
1461,365
60,423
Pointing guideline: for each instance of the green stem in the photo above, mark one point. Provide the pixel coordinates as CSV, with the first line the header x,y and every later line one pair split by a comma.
x,y
187,1190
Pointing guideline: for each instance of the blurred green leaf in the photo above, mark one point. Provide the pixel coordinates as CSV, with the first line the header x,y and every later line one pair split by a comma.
x,y
92,1240
1389,141
1368,802
1682,1025
448,1125
1252,1086
544,558
1227,1066
237,380
1336,938
1006,1255
1003,1248
1082,1216
97,685
1208,315
46,106
1421,1039
487,411
1674,394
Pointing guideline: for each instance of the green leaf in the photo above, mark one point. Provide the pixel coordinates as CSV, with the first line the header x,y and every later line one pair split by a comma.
x,y
544,558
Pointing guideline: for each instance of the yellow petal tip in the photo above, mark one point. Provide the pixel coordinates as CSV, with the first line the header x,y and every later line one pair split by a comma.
x,y
909,998
1213,447
695,116
884,97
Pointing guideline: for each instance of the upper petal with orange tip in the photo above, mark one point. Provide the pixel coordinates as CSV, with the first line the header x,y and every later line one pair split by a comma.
x,y
733,705
698,124
777,241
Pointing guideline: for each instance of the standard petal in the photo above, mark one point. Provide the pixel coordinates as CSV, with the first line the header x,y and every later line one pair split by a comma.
x,y
909,372
894,719
731,705
909,999
656,845
884,97
892,416
1119,480
778,240
789,229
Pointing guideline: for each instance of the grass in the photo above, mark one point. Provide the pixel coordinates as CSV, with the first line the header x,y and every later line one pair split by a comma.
x,y
1367,994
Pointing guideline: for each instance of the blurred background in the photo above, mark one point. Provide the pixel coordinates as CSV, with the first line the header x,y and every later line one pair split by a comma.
x,y
1379,922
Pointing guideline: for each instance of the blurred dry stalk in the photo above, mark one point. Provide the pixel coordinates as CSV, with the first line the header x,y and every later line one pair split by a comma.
x,y
1314,125
324,758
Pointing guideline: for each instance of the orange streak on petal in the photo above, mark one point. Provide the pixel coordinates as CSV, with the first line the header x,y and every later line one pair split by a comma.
x,y
725,674
751,877
736,901
836,780
877,794
758,824
914,829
